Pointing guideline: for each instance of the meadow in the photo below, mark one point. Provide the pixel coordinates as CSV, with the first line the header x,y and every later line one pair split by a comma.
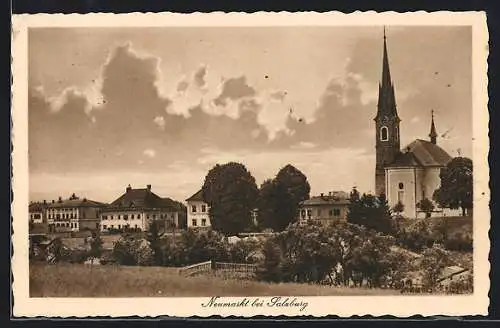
x,y
78,280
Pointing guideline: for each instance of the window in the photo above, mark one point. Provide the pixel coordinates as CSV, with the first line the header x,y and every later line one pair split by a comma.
x,y
396,135
401,186
194,223
132,216
119,226
303,214
154,216
97,225
138,216
105,226
125,217
309,213
203,222
193,208
104,217
384,133
203,208
112,226
135,226
336,212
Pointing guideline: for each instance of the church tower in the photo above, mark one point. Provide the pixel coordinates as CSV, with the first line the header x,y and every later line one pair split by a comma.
x,y
387,142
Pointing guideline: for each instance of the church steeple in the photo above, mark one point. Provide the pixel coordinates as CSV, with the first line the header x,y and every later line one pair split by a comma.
x,y
386,96
386,124
433,134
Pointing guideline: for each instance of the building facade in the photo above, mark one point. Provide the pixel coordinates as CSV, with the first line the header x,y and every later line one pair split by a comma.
x,y
326,209
37,212
406,175
197,211
73,214
137,208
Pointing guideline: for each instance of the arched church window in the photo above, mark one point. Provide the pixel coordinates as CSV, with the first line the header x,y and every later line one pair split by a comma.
x,y
396,136
384,133
401,186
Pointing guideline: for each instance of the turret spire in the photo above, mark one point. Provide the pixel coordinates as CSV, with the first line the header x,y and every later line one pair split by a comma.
x,y
433,134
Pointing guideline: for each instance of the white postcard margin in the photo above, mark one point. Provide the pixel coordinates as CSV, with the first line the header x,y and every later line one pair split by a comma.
x,y
343,306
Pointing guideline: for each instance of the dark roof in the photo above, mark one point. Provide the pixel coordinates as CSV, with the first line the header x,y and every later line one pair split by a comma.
x,y
421,153
198,196
75,203
335,199
170,203
139,198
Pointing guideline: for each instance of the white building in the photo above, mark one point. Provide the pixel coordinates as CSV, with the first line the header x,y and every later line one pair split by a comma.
x,y
197,211
137,208
73,214
325,208
406,175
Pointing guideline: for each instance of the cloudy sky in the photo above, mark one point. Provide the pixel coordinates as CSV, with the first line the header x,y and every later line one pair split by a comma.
x,y
161,106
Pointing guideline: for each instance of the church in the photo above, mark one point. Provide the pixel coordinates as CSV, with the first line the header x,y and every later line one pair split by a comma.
x,y
410,174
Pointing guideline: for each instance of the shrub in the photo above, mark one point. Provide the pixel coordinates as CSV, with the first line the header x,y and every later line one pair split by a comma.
x,y
459,242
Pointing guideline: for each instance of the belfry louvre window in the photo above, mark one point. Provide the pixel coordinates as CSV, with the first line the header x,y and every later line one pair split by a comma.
x,y
384,133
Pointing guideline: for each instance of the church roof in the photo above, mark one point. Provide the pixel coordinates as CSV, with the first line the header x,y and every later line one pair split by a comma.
x,y
421,153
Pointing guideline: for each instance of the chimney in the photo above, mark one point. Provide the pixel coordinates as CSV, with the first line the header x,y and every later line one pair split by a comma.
x,y
60,199
322,194
52,201
128,188
330,193
44,202
149,187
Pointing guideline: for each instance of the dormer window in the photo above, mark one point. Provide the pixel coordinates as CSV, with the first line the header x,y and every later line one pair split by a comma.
x,y
384,133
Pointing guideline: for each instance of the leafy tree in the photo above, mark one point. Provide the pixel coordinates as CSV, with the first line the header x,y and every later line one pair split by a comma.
x,y
370,211
456,185
398,208
155,243
232,194
95,244
279,198
426,206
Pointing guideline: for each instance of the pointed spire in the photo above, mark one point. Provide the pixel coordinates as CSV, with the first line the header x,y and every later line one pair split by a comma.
x,y
386,74
433,134
386,98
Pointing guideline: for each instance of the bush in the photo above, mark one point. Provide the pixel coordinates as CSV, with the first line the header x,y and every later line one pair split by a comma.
x,y
459,242
130,251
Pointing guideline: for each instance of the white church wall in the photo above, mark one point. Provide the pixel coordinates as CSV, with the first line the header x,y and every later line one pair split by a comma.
x,y
406,194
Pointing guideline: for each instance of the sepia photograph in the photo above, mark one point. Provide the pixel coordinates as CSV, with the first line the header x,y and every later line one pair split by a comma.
x,y
252,166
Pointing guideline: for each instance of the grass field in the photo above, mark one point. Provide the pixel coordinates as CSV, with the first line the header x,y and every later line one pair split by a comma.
x,y
75,280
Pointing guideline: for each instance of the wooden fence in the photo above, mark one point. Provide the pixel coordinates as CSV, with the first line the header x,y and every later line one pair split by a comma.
x,y
219,267
203,267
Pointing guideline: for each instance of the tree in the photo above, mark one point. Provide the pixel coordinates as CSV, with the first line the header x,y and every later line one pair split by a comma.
x,y
456,185
95,243
279,198
232,194
155,243
426,206
370,211
398,208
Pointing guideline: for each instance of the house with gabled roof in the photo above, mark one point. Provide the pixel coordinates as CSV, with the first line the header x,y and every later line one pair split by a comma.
x,y
137,208
325,208
197,211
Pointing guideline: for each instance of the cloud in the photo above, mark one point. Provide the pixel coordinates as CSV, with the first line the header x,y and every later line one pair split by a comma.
x,y
234,89
151,153
199,77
